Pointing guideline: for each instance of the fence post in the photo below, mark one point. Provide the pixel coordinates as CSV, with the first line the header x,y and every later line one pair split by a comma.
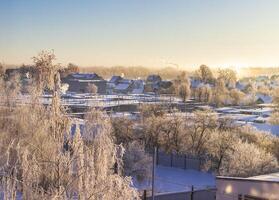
x,y
153,172
185,162
144,195
192,193
157,156
171,159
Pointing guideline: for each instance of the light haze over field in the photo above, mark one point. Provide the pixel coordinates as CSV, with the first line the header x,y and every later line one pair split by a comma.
x,y
142,32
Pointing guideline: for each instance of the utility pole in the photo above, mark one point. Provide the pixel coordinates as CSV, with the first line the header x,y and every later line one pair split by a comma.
x,y
153,172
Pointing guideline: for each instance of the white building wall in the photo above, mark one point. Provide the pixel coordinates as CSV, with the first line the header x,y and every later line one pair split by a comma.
x,y
230,188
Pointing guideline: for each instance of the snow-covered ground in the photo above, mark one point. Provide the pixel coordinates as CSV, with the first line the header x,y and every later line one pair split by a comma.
x,y
170,179
273,129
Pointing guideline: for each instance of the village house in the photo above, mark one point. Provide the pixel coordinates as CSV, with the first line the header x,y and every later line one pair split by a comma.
x,y
124,86
263,99
111,84
262,78
114,80
195,83
153,78
241,85
79,82
155,84
274,84
138,87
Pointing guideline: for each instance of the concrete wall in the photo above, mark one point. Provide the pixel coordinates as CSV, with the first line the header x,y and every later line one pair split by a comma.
x,y
230,188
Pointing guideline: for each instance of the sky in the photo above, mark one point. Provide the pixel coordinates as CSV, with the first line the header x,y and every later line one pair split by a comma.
x,y
152,33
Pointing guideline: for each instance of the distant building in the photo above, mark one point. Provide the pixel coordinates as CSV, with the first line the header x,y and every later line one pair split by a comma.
x,y
274,84
79,82
262,78
263,99
262,187
138,87
111,84
195,83
12,71
241,85
124,86
153,79
115,80
154,83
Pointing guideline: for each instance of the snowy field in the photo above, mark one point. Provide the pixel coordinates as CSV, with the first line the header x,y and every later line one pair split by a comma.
x,y
170,179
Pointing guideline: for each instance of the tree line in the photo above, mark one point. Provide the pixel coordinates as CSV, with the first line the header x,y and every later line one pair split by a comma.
x,y
223,147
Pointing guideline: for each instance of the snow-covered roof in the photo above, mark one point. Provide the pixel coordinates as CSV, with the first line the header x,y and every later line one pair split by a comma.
x,y
264,178
227,110
138,90
241,117
126,81
88,81
154,78
262,78
261,120
122,86
86,76
256,111
267,177
264,98
115,79
195,83
241,85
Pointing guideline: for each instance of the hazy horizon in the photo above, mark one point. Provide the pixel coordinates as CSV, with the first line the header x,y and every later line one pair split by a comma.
x,y
145,33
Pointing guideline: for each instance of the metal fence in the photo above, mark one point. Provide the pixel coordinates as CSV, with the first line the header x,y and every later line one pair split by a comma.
x,y
178,161
201,194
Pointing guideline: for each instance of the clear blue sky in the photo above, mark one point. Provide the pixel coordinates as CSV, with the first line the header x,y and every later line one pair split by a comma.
x,y
142,32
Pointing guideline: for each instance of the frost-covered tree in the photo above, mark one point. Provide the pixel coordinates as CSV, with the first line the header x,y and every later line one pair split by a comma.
x,y
137,163
184,91
173,134
220,147
203,93
153,128
46,71
274,119
92,88
2,70
228,76
123,130
198,129
237,97
220,94
43,159
205,74
149,110
10,90
248,160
